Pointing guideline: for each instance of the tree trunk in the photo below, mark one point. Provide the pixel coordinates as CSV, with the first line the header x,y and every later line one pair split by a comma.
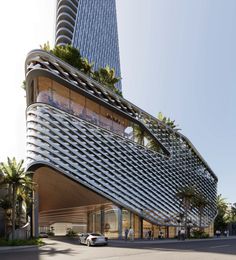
x,y
20,212
187,204
185,220
200,219
13,210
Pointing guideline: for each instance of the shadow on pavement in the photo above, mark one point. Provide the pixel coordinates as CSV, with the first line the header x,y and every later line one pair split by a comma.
x,y
219,246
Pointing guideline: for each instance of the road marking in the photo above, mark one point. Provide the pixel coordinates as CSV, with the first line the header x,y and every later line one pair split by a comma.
x,y
219,246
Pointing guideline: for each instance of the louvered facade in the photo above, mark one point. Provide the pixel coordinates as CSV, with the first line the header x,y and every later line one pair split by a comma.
x,y
83,141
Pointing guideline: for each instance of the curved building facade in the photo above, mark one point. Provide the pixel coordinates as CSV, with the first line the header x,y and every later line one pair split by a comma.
x,y
90,26
103,164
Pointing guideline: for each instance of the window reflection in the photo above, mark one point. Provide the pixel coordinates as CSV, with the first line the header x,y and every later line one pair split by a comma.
x,y
105,118
60,96
92,111
76,104
126,221
111,222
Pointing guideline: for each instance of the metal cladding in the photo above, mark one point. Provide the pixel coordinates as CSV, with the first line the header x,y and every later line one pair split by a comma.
x,y
130,175
90,26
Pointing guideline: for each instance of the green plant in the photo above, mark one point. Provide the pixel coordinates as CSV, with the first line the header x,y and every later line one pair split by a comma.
x,y
50,233
167,121
15,178
107,77
71,55
185,195
222,218
19,242
70,232
199,234
199,202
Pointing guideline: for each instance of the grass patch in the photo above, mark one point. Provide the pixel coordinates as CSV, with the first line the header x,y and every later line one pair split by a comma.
x,y
19,242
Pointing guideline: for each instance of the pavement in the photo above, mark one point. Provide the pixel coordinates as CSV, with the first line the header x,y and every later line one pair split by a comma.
x,y
4,249
62,248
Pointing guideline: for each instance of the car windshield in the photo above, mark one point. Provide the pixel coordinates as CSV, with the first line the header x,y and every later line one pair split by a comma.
x,y
95,234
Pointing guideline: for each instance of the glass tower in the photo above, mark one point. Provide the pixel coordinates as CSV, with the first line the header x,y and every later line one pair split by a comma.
x,y
90,26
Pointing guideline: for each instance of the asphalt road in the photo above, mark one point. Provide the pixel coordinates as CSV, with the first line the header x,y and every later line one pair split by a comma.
x,y
62,249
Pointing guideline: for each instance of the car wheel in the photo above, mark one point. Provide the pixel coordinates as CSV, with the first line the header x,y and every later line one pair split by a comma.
x,y
88,243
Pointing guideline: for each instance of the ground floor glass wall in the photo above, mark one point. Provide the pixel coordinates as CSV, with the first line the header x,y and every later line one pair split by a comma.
x,y
108,219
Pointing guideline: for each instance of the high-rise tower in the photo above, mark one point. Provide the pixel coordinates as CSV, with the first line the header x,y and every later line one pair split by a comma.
x,y
90,26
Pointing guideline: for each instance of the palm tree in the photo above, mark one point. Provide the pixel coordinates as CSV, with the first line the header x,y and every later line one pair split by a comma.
x,y
186,195
221,204
69,54
24,198
200,202
6,205
139,134
107,77
16,178
153,145
46,47
222,217
72,56
233,212
86,66
167,121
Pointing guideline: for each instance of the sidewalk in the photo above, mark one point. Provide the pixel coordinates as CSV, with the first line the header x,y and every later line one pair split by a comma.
x,y
163,241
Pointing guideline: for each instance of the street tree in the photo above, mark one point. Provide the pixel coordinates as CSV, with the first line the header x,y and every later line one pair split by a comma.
x,y
14,176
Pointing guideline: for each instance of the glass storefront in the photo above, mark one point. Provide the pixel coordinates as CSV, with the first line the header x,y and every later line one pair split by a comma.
x,y
126,221
104,219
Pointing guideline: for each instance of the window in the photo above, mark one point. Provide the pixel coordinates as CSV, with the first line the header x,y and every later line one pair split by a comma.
x,y
60,96
77,104
106,118
44,90
92,111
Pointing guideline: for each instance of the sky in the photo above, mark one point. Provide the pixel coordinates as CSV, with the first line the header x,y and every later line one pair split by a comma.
x,y
177,57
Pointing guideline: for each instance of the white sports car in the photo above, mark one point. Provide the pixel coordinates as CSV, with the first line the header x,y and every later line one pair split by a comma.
x,y
92,239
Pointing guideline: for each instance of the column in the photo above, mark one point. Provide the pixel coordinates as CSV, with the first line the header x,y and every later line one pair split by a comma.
x,y
102,220
141,227
119,216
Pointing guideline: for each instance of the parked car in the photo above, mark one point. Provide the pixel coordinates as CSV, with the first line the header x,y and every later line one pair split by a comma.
x,y
43,234
92,239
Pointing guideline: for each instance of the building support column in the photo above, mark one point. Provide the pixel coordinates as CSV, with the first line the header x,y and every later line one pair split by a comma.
x,y
167,232
120,227
88,222
141,227
102,220
35,215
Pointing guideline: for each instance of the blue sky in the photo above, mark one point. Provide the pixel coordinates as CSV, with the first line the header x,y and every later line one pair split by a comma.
x,y
177,56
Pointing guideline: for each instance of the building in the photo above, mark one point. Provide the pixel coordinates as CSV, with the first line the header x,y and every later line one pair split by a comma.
x,y
94,170
90,26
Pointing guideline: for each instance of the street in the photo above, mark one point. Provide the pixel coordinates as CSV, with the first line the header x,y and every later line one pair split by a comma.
x,y
62,248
